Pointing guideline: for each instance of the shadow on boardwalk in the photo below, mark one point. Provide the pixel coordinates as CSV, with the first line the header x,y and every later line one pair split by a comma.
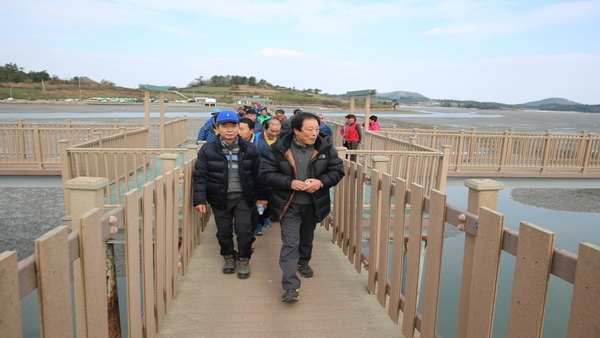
x,y
334,303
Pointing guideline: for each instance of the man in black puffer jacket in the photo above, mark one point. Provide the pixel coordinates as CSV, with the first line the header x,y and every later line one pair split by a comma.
x,y
300,168
226,175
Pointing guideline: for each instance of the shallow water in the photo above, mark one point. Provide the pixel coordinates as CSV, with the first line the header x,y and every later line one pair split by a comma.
x,y
443,118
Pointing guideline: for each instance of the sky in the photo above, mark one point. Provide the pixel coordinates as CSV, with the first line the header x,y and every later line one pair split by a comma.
x,y
495,51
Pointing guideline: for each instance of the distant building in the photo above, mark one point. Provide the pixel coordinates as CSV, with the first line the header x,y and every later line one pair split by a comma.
x,y
254,99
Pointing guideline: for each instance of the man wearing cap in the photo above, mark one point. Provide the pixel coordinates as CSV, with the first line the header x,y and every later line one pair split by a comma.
x,y
352,134
209,129
226,176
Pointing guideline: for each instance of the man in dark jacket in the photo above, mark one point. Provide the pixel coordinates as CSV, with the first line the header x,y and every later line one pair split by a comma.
x,y
300,168
226,175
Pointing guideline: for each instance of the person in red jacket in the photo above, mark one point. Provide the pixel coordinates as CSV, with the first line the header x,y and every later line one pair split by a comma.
x,y
352,133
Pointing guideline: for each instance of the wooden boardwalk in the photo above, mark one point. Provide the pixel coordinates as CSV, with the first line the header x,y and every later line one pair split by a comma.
x,y
334,303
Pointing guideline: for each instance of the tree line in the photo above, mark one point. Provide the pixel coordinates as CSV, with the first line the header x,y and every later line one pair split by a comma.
x,y
10,72
228,81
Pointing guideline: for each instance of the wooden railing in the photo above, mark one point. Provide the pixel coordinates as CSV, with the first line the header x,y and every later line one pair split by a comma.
x,y
485,238
511,151
36,147
150,221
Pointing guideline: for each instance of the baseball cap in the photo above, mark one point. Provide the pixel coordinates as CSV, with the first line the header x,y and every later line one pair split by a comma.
x,y
216,111
351,116
227,116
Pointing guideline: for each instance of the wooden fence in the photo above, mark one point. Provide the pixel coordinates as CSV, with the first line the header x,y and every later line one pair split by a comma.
x,y
150,221
397,208
511,151
36,147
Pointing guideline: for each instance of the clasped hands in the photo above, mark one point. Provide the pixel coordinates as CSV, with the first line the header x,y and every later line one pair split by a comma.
x,y
310,185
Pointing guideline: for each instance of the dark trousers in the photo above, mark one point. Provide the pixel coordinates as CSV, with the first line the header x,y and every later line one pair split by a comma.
x,y
297,234
235,217
353,146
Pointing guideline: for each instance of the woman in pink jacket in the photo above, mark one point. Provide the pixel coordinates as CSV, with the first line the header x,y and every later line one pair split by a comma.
x,y
373,124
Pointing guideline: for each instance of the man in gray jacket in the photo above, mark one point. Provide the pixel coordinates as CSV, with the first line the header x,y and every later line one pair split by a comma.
x,y
300,168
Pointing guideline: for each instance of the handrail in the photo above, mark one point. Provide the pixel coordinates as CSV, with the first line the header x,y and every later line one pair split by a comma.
x,y
489,237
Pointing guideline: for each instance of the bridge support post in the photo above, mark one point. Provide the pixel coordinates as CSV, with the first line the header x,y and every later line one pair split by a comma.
x,y
168,162
482,193
87,193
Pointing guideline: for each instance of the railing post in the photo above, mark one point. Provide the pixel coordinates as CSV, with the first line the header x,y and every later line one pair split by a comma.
x,y
503,152
587,153
442,175
66,173
482,193
545,152
161,129
86,194
123,131
341,151
69,134
192,151
167,162
459,149
22,144
37,148
147,108
434,138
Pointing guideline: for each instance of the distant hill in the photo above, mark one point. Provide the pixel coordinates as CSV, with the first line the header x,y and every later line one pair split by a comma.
x,y
559,104
87,79
553,101
399,95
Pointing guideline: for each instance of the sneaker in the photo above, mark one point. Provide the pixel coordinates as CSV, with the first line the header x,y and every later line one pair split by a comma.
x,y
305,271
243,268
267,223
291,295
229,266
258,230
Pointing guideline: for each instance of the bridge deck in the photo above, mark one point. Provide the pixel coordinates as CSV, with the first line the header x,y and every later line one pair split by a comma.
x,y
334,303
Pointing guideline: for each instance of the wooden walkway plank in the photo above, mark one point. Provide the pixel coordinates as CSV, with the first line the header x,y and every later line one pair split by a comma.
x,y
334,303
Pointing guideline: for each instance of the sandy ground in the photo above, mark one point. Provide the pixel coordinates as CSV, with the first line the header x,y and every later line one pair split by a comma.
x,y
572,200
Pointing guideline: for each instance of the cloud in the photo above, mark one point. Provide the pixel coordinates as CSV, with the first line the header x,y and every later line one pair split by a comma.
x,y
278,53
451,31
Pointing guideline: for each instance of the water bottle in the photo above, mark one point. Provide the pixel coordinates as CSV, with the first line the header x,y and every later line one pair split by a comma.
x,y
260,208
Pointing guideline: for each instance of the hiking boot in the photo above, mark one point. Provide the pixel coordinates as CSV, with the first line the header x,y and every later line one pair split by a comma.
x,y
291,295
267,223
305,271
258,230
229,266
243,268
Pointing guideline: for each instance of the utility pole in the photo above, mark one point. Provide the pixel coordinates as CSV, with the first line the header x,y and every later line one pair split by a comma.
x,y
79,82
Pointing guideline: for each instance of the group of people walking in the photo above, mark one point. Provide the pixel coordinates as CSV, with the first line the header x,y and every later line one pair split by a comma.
x,y
285,169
